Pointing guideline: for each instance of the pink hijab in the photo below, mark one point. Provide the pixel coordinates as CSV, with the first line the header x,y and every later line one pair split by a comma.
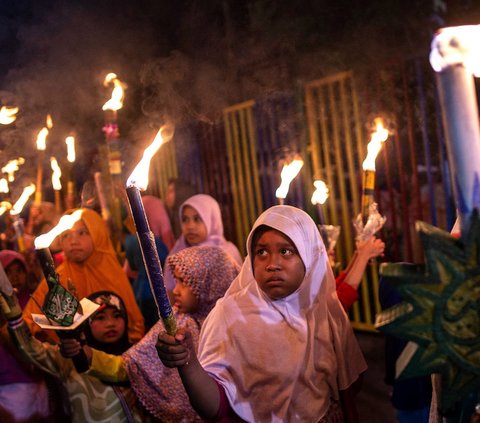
x,y
282,360
208,271
209,210
158,219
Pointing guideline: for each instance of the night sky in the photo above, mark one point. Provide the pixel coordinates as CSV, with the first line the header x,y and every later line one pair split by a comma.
x,y
185,59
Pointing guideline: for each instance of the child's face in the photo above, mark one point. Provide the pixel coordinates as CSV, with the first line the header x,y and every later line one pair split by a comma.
x,y
16,274
193,228
185,299
108,325
77,244
277,266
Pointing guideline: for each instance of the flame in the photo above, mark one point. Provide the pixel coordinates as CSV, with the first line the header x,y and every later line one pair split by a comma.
x,y
11,167
288,174
64,224
139,177
42,135
4,206
376,141
116,101
18,206
56,174
70,141
3,186
7,115
320,194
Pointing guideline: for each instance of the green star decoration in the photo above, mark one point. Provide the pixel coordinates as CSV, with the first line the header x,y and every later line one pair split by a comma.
x,y
440,312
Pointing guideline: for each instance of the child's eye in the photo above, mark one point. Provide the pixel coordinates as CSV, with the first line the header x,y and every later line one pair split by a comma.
x,y
118,315
287,251
184,219
197,219
261,252
83,232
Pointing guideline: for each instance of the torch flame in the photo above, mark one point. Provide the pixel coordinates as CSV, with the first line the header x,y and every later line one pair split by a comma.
x,y
288,174
375,144
18,206
320,194
4,206
3,186
56,174
7,115
11,167
139,177
49,121
116,101
64,224
70,141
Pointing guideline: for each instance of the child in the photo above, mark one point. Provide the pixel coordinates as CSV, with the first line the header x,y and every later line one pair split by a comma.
x,y
203,274
91,399
91,265
201,222
23,392
278,346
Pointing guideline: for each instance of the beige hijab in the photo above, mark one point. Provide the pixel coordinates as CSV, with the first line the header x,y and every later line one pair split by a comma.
x,y
283,360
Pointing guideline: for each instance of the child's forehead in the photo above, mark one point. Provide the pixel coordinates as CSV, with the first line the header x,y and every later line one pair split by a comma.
x,y
270,234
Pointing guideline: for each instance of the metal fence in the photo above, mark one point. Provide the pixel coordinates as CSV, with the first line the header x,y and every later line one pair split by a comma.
x,y
238,160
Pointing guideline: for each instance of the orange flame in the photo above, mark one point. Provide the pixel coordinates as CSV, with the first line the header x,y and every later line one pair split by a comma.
x,y
288,174
42,135
4,206
3,186
56,174
11,167
376,141
70,141
7,115
116,101
139,176
64,224
320,194
18,206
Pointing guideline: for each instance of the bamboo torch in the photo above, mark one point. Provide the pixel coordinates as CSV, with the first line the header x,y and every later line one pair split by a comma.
x,y
41,147
137,182
70,141
379,136
56,183
17,208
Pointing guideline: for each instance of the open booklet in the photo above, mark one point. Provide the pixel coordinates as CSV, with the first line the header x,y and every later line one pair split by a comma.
x,y
88,307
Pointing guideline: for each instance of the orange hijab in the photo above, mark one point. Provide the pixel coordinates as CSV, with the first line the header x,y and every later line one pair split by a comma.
x,y
100,272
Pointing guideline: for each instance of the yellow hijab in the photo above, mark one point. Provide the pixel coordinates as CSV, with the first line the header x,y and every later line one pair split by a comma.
x,y
100,272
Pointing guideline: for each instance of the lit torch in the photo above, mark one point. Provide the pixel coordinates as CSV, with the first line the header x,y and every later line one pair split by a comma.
x,y
288,174
3,189
70,141
60,306
455,56
11,167
41,147
17,208
138,181
56,183
319,197
113,153
373,148
7,115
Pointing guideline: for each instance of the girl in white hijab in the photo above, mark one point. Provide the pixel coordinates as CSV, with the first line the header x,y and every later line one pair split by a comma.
x,y
278,346
201,224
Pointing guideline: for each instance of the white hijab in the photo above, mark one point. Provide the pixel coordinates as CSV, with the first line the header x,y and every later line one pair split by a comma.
x,y
282,361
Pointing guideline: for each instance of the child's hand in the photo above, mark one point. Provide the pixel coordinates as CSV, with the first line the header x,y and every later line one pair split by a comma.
x,y
371,248
175,351
70,347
